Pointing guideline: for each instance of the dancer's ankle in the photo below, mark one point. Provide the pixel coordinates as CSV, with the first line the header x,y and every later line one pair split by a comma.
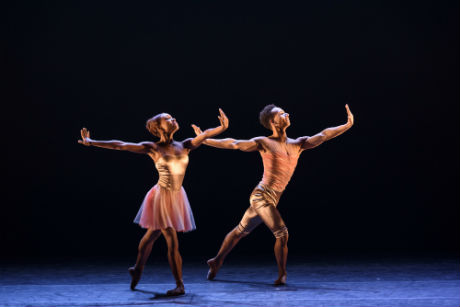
x,y
216,261
138,268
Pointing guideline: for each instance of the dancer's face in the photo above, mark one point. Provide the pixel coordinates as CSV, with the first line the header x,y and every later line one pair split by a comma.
x,y
280,118
168,123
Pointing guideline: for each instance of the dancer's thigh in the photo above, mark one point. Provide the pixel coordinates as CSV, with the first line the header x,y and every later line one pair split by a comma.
x,y
271,217
249,221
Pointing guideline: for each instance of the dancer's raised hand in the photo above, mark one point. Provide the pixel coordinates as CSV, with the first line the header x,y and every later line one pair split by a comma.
x,y
197,129
351,118
308,142
223,119
85,137
201,136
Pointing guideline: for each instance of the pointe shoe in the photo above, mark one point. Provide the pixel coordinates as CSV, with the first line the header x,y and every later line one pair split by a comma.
x,y
213,268
211,274
135,277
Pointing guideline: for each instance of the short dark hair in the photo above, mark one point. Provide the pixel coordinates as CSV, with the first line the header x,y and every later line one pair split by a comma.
x,y
266,115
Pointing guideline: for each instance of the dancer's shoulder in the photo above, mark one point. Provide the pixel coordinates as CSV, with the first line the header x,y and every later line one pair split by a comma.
x,y
259,139
265,143
147,145
299,141
262,141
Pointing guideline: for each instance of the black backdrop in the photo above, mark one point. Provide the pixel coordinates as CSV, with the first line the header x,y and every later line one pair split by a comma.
x,y
389,184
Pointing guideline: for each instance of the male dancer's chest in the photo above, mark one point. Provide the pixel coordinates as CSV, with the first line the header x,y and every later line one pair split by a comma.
x,y
286,149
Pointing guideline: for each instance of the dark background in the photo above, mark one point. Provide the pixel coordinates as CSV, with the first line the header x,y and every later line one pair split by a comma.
x,y
389,185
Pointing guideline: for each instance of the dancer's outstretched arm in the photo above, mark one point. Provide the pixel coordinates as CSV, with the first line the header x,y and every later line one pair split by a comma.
x,y
243,145
308,142
193,143
143,147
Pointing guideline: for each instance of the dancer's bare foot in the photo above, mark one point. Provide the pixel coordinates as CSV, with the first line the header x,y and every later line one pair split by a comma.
x,y
281,280
214,267
179,290
135,276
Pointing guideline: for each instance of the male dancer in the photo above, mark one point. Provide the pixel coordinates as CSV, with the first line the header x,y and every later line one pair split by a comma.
x,y
279,155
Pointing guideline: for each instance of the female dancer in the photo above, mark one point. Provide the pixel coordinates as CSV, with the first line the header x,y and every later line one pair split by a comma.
x,y
165,209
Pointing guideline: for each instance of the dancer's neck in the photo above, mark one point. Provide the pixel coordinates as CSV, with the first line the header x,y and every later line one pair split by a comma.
x,y
166,139
279,134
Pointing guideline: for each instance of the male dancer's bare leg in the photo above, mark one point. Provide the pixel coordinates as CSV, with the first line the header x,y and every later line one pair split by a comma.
x,y
144,249
175,260
272,218
281,251
231,239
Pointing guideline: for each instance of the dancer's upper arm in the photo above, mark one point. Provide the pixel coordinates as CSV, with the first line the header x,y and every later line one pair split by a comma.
x,y
142,148
248,145
243,145
308,142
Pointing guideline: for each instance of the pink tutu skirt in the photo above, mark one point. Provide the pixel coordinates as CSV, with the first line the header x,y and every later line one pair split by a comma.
x,y
163,208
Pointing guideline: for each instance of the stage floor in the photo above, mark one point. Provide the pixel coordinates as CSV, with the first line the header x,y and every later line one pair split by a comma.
x,y
331,283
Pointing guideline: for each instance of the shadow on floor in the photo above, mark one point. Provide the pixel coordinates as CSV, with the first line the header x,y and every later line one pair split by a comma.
x,y
158,295
286,287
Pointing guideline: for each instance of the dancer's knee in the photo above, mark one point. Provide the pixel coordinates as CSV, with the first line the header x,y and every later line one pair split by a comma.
x,y
281,234
240,232
171,239
152,235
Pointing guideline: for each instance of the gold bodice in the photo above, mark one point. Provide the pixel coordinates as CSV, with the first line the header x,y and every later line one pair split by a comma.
x,y
171,171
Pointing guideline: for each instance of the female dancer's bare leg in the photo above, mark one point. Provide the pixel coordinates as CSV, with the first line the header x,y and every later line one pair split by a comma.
x,y
175,260
144,249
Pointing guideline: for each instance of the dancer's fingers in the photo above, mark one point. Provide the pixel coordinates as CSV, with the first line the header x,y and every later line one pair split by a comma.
x,y
196,129
223,118
350,115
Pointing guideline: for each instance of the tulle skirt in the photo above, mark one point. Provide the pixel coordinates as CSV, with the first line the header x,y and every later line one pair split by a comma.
x,y
163,208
